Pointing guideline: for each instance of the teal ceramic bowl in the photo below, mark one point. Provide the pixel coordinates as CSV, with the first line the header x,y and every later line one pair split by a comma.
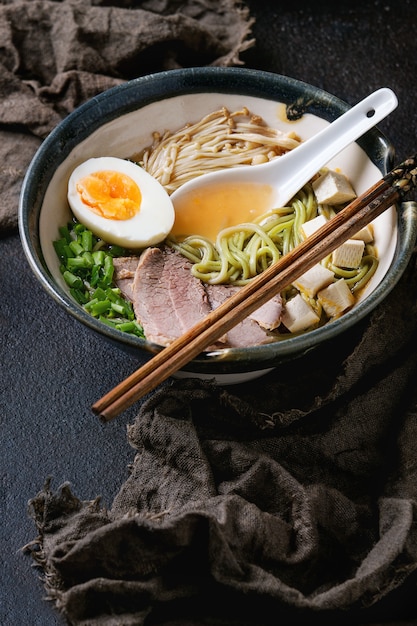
x,y
119,122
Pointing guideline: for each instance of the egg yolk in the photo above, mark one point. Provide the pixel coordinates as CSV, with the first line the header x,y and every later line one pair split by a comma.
x,y
207,211
110,194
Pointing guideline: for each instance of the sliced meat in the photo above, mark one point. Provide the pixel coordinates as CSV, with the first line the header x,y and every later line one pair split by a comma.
x,y
246,333
167,299
269,314
124,273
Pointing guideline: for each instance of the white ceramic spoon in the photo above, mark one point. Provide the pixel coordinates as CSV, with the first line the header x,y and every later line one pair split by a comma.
x,y
287,174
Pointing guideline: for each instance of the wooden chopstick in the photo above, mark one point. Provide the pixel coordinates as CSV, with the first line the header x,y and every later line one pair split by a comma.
x,y
383,194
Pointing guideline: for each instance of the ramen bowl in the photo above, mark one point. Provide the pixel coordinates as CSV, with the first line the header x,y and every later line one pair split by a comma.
x,y
120,122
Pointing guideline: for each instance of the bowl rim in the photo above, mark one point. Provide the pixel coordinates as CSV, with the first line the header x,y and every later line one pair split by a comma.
x,y
142,91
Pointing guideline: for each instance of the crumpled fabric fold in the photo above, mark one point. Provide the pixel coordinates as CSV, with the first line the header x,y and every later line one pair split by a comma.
x,y
234,512
55,55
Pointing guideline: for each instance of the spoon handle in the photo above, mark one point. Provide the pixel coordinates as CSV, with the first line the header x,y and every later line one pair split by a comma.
x,y
298,166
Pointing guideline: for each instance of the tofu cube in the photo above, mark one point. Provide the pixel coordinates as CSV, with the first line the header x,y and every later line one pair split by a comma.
x,y
333,188
298,315
314,279
336,298
349,254
310,227
366,234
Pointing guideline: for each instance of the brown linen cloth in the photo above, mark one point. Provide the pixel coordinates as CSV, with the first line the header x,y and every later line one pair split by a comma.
x,y
54,55
299,508
283,499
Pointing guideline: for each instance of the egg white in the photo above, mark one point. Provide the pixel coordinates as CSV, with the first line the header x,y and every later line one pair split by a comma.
x,y
148,227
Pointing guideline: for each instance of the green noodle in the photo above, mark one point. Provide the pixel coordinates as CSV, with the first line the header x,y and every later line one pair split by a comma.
x,y
241,252
358,277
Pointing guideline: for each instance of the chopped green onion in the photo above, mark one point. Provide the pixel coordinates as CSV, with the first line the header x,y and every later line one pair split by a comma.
x,y
87,240
76,247
88,257
117,307
126,326
72,280
80,296
98,257
68,252
76,263
102,306
60,249
108,270
86,264
95,275
100,294
79,228
65,233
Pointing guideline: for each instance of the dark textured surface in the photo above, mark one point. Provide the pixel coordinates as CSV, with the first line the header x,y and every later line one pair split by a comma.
x,y
53,369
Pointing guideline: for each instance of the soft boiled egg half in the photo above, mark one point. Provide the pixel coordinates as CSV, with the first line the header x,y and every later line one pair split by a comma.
x,y
120,202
